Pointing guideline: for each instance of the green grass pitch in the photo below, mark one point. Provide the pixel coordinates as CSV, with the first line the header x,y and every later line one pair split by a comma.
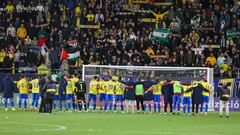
x,y
33,123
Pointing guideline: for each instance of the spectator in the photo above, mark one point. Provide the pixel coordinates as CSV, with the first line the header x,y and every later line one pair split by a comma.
x,y
220,60
211,59
64,69
22,32
43,69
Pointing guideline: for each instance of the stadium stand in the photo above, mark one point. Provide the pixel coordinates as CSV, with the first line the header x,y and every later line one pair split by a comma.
x,y
51,34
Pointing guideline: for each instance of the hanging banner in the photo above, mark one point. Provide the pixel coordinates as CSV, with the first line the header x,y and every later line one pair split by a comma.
x,y
131,7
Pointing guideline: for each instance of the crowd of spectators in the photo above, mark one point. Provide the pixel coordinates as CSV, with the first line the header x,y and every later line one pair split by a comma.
x,y
32,34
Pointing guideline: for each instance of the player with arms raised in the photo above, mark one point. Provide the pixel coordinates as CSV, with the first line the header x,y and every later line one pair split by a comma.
x,y
119,95
35,93
92,96
110,87
23,92
186,98
205,96
102,93
69,92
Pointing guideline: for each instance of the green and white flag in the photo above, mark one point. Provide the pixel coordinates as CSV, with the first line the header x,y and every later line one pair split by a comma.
x,y
233,34
162,35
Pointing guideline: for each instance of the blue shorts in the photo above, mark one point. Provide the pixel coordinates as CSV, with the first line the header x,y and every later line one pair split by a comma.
x,y
157,98
109,97
176,98
92,97
119,98
205,99
186,100
102,96
69,96
35,96
23,96
56,97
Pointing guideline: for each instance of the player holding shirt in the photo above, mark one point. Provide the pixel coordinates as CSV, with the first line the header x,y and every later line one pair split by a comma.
x,y
23,92
74,79
177,90
205,96
102,93
35,93
92,96
186,98
69,92
157,91
110,87
119,95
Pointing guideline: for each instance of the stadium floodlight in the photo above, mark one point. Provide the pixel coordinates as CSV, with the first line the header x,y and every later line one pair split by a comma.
x,y
151,72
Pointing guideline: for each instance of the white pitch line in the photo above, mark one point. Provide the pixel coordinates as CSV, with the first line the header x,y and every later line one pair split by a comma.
x,y
152,132
54,127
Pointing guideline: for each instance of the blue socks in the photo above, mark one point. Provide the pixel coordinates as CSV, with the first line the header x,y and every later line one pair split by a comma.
x,y
20,103
150,107
159,107
206,108
155,107
111,106
121,106
94,106
115,107
105,106
184,109
69,106
25,103
188,108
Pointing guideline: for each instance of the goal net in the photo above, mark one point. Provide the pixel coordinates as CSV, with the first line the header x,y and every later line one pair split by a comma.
x,y
151,72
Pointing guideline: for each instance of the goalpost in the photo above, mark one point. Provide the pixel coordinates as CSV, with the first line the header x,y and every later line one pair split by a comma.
x,y
151,72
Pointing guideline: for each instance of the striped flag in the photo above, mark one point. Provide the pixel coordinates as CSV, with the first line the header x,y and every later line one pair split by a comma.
x,y
69,56
161,35
72,43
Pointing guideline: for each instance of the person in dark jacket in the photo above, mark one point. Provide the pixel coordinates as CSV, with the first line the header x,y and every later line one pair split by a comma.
x,y
62,92
224,93
167,92
42,85
148,96
51,89
8,91
80,92
129,94
197,90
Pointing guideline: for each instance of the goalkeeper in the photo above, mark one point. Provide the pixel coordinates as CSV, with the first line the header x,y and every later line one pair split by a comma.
x,y
177,92
80,91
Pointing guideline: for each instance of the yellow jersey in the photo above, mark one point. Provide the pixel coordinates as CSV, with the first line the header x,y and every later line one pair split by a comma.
x,y
110,87
35,86
119,88
101,88
93,87
185,88
90,17
57,85
22,86
70,86
2,55
208,86
157,88
75,79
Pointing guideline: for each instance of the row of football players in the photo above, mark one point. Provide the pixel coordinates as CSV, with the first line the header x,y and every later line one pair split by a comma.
x,y
128,91
174,94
